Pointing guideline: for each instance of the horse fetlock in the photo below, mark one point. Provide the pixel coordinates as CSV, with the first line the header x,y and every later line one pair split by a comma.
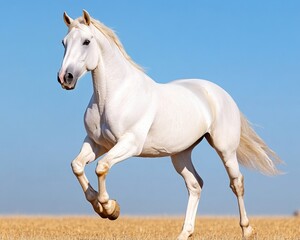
x,y
244,223
189,228
99,209
111,209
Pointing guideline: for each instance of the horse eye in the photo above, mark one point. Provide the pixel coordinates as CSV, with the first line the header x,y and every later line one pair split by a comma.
x,y
86,42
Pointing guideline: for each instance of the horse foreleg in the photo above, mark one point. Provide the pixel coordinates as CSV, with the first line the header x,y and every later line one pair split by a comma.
x,y
89,152
125,148
184,166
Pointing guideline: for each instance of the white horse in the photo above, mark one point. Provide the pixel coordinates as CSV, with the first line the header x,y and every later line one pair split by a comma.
x,y
131,115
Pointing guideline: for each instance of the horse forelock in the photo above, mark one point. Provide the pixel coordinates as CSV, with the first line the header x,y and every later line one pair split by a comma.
x,y
77,23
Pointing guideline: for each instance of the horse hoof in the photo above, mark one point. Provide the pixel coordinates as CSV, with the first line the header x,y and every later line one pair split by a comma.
x,y
102,215
116,212
249,233
183,236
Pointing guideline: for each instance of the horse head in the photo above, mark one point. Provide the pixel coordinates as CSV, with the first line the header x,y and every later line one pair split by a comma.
x,y
81,50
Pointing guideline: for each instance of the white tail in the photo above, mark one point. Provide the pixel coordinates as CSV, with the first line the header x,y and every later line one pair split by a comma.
x,y
254,153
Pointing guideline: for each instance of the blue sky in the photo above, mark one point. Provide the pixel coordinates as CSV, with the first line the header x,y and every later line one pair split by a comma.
x,y
250,48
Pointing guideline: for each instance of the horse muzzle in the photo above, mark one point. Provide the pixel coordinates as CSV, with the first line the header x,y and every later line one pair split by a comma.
x,y
67,80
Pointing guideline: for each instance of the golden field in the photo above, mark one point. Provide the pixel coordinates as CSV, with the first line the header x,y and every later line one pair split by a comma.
x,y
142,228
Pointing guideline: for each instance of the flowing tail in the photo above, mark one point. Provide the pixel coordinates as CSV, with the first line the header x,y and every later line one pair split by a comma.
x,y
254,153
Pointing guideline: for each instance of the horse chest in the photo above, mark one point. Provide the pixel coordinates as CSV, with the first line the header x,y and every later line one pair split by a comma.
x,y
92,123
98,129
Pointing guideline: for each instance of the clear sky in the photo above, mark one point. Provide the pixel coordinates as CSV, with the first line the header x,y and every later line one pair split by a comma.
x,y
250,48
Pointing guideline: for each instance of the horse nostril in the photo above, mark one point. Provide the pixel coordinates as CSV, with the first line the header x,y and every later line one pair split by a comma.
x,y
69,76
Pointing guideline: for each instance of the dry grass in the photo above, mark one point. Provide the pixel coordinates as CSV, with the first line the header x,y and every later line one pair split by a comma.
x,y
142,228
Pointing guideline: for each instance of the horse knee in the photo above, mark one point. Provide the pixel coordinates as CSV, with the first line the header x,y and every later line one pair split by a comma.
x,y
102,168
77,167
237,185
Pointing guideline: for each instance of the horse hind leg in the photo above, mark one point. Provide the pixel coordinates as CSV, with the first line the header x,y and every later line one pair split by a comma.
x,y
237,186
184,166
230,162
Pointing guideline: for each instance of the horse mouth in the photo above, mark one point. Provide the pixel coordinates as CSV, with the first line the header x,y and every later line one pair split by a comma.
x,y
68,87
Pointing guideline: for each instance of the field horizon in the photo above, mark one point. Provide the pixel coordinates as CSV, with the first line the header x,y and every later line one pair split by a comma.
x,y
83,227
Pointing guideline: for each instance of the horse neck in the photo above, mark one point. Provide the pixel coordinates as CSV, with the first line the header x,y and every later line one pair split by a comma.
x,y
109,78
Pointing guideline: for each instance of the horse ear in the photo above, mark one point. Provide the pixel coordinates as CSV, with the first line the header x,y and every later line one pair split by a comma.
x,y
67,19
86,17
